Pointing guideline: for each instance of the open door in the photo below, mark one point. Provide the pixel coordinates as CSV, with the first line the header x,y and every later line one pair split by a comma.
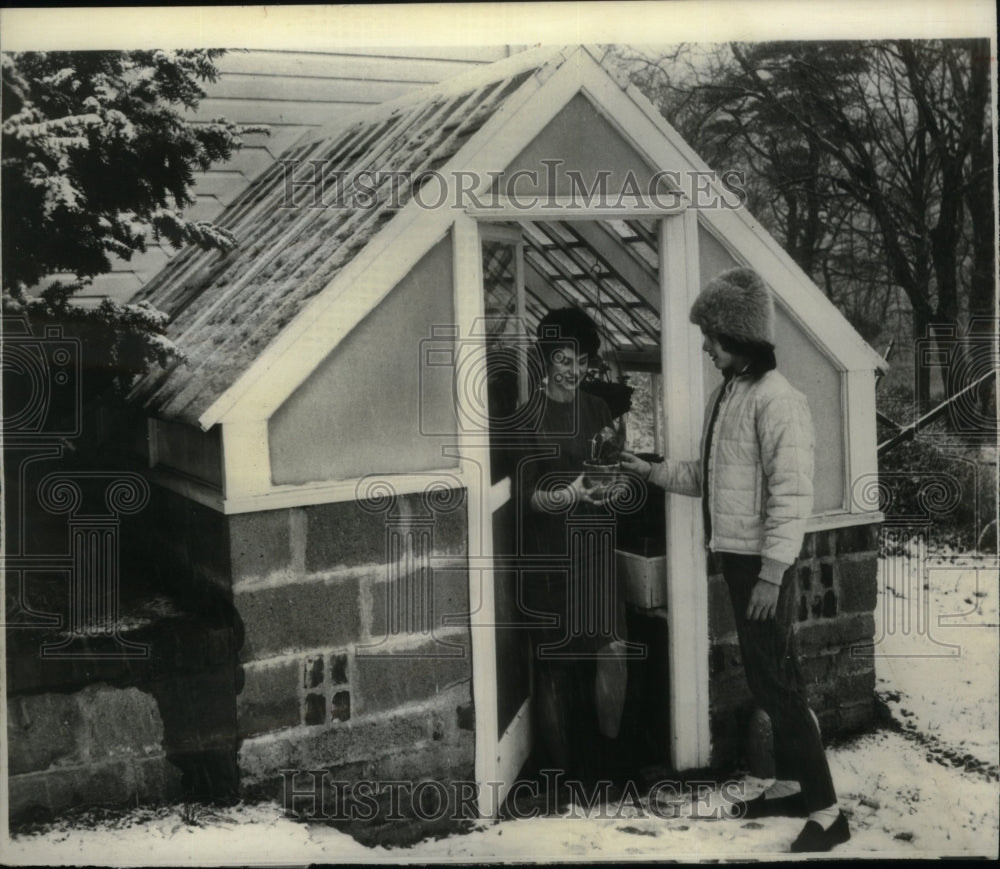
x,y
507,348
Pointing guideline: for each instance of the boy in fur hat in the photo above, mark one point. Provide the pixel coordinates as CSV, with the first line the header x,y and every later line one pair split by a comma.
x,y
755,480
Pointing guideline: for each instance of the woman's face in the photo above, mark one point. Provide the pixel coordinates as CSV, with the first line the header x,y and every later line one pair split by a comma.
x,y
566,371
723,361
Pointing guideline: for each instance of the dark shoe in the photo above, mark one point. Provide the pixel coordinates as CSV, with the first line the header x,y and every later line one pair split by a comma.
x,y
814,838
792,806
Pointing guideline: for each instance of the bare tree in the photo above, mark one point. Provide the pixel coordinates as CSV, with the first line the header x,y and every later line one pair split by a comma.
x,y
870,161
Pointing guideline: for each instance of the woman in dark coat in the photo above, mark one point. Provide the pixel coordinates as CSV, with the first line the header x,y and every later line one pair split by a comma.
x,y
578,643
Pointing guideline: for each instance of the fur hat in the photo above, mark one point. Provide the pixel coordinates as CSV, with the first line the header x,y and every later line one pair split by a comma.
x,y
736,303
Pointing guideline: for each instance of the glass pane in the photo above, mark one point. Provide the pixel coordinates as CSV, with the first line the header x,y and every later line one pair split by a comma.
x,y
500,289
506,349
641,419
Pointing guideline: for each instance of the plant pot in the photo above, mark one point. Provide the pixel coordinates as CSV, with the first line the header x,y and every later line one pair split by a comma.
x,y
603,476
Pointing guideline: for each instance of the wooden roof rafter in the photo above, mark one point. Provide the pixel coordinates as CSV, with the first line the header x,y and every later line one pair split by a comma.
x,y
574,254
585,297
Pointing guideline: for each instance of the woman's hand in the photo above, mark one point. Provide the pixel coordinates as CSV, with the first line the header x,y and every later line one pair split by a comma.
x,y
588,495
564,496
633,463
763,601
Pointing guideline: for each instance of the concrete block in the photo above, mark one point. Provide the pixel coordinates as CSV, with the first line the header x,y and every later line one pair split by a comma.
x,y
119,723
859,538
314,709
42,730
857,686
843,631
856,716
298,615
28,798
338,668
259,759
313,672
441,759
260,543
343,534
804,573
270,697
451,531
829,604
826,574
382,681
858,585
725,656
157,779
97,784
819,668
826,543
340,706
808,549
803,611
360,740
412,607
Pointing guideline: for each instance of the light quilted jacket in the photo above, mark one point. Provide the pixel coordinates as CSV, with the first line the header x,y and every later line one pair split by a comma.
x,y
760,489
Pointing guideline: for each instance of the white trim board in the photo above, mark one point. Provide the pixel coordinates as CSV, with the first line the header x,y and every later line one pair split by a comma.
x,y
383,262
369,277
687,581
303,495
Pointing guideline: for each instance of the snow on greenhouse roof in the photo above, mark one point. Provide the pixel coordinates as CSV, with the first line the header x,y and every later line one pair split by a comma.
x,y
225,309
254,322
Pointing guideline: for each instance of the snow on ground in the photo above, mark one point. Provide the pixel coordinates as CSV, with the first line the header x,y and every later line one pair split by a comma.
x,y
938,655
926,787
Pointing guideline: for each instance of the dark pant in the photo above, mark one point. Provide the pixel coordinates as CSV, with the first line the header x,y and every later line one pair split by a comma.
x,y
771,662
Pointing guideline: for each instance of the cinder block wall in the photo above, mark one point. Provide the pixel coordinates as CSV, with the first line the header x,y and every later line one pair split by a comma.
x,y
356,656
89,727
837,578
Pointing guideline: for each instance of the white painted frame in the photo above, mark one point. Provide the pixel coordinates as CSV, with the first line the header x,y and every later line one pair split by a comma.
x,y
558,76
687,579
498,756
245,408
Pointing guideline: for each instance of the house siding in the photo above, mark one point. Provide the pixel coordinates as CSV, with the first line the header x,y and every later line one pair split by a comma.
x,y
291,92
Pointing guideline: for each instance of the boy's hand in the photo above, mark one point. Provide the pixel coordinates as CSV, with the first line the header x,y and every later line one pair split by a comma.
x,y
635,465
763,601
